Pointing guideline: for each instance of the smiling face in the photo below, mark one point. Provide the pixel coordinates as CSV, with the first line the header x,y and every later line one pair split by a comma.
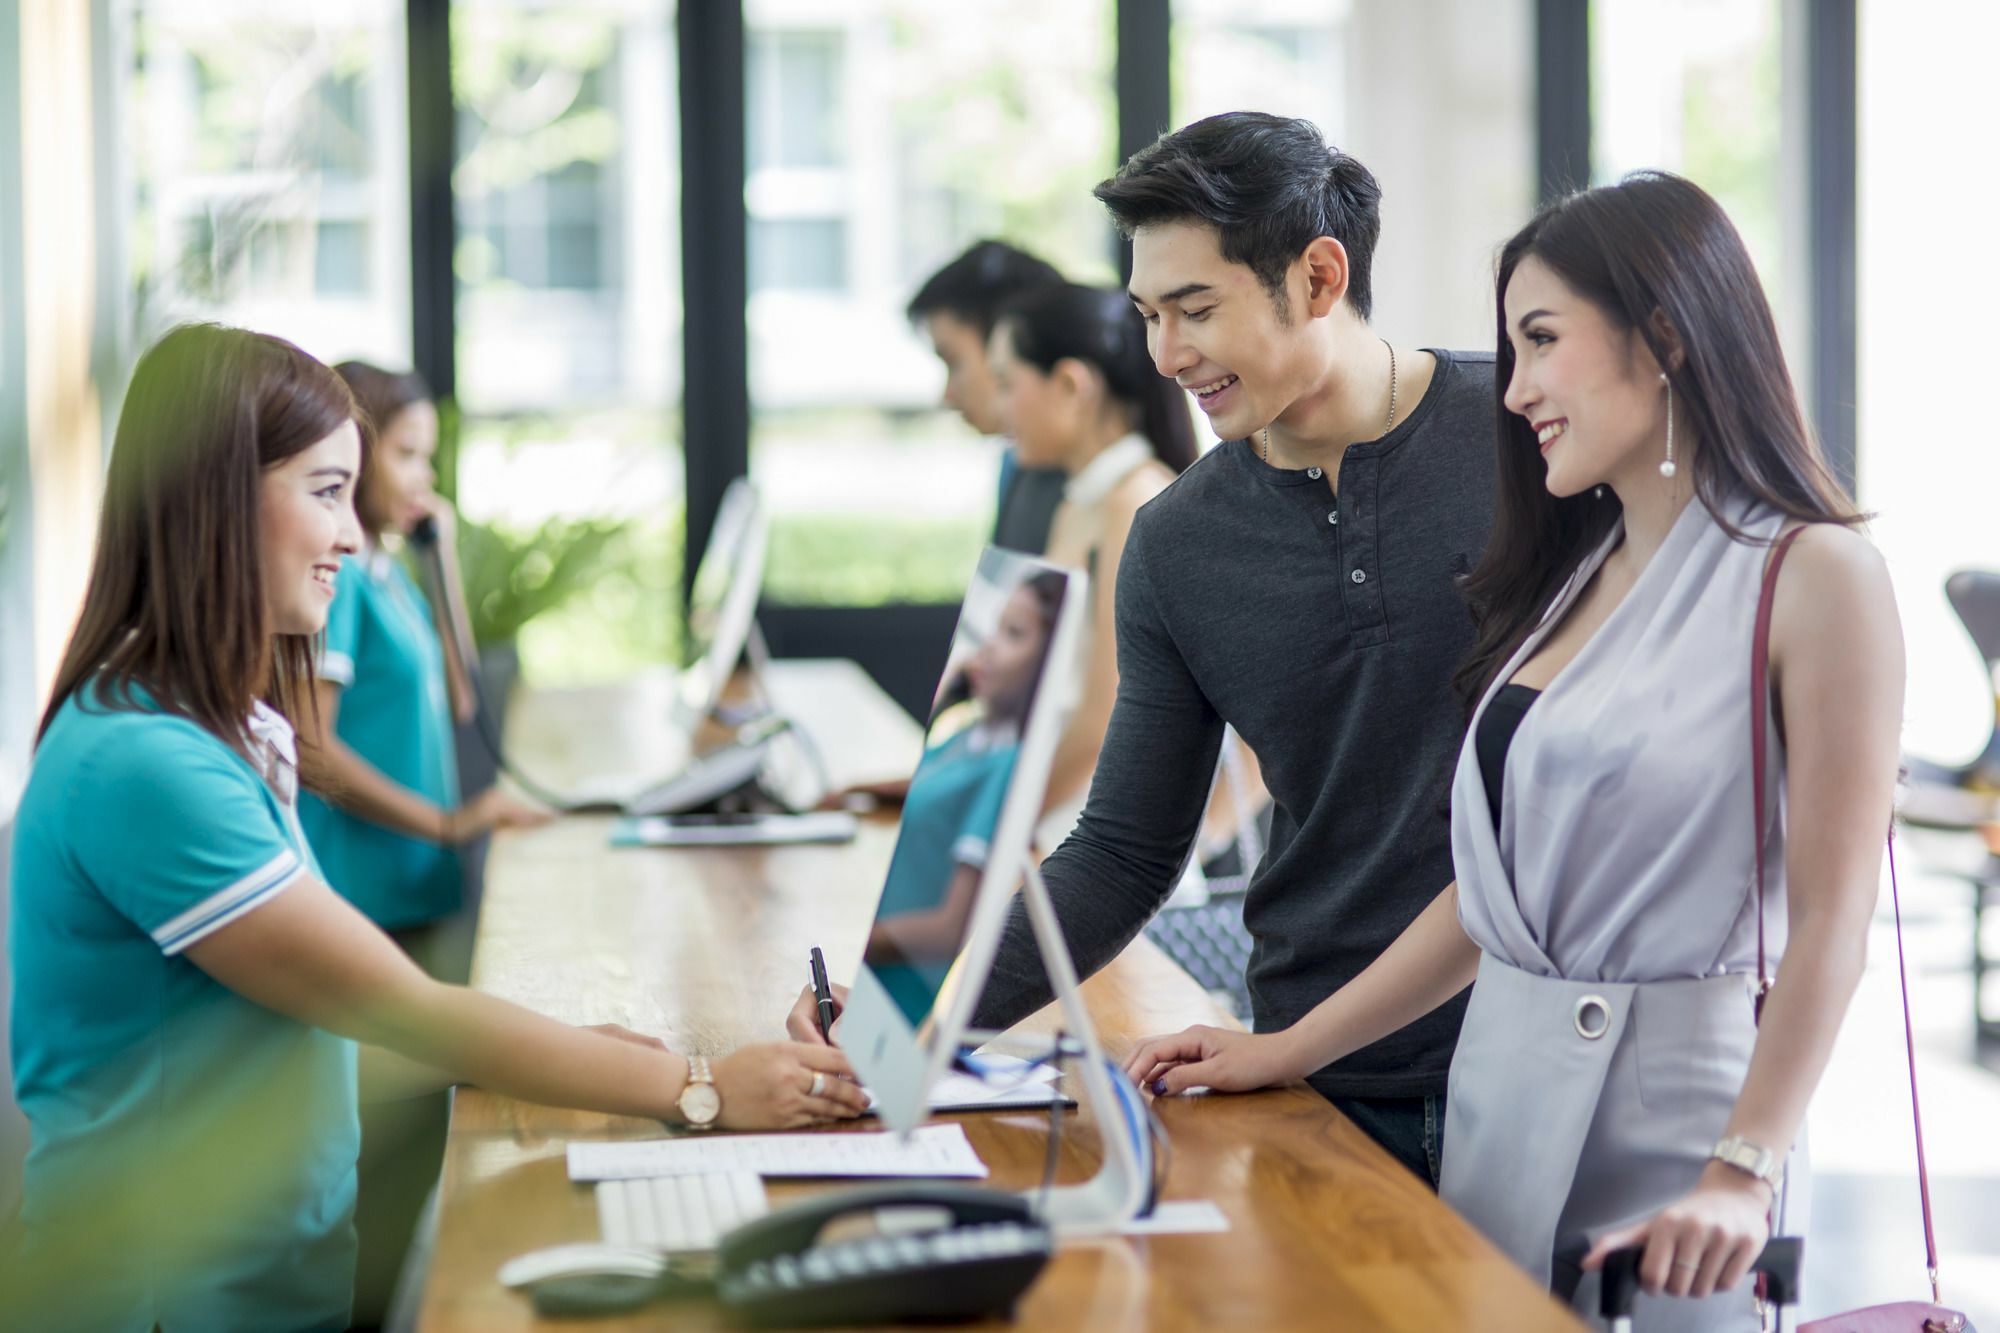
x,y
1214,327
1590,390
400,485
306,523
968,382
1002,672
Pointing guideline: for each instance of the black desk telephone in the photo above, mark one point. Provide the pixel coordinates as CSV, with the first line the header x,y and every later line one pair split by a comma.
x,y
937,1251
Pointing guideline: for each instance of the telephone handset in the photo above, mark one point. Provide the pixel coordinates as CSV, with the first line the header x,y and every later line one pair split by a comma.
x,y
938,1251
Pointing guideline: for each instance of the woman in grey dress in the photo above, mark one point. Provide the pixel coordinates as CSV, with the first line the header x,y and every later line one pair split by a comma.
x,y
1612,1084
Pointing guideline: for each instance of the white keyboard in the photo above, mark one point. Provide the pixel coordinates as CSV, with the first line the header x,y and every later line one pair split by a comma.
x,y
678,1213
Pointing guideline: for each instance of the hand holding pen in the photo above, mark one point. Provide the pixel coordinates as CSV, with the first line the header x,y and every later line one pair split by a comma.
x,y
818,1007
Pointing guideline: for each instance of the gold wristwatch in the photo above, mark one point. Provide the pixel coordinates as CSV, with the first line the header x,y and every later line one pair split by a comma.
x,y
1749,1157
699,1102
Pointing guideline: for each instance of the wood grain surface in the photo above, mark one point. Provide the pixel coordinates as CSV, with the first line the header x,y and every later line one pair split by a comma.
x,y
707,949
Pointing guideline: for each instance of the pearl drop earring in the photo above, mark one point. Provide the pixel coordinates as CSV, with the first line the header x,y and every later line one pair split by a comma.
x,y
1667,468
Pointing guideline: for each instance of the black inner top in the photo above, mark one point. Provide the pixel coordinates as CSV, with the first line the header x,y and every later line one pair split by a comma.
x,y
1497,726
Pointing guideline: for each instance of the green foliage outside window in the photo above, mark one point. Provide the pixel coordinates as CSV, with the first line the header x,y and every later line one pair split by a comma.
x,y
870,559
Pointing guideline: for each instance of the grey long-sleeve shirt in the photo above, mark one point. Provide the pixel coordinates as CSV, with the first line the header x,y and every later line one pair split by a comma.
x,y
1327,633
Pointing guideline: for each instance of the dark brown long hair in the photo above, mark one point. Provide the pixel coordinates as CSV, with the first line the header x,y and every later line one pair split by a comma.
x,y
175,603
1658,257
379,397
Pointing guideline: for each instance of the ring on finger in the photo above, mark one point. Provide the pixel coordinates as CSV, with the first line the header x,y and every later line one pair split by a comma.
x,y
818,1084
1688,1264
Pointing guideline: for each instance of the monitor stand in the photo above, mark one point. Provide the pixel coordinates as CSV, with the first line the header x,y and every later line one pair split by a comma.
x,y
1122,1188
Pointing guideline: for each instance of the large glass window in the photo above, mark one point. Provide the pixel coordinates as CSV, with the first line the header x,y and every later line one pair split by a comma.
x,y
566,190
264,170
883,137
1287,57
1696,87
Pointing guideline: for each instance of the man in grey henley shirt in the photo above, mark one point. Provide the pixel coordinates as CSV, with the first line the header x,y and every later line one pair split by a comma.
x,y
1309,600
1298,582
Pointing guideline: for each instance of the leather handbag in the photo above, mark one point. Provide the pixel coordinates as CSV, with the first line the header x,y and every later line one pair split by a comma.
x,y
1897,1316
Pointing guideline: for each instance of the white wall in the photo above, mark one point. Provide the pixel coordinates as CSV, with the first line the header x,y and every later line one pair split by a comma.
x,y
1441,107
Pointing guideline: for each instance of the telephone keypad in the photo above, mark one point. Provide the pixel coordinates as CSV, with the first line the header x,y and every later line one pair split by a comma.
x,y
967,1270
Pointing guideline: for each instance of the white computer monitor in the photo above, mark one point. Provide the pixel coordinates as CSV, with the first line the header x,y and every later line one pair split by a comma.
x,y
722,613
722,604
1008,687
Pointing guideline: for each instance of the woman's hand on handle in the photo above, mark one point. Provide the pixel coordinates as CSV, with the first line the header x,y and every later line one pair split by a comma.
x,y
786,1085
1219,1058
1701,1244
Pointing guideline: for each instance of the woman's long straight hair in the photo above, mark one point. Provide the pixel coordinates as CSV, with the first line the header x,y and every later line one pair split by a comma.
x,y
1659,258
1099,327
175,603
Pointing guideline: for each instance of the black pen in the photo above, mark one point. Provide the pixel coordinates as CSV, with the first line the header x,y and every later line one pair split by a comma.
x,y
823,992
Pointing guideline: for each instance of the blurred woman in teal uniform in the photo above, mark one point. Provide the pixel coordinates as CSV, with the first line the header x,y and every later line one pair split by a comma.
x,y
393,678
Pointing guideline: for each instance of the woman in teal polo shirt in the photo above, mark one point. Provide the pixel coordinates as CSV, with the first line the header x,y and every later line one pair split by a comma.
x,y
190,998
392,680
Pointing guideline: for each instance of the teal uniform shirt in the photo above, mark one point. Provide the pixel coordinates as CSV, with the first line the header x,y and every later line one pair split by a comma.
x,y
382,649
949,816
192,1158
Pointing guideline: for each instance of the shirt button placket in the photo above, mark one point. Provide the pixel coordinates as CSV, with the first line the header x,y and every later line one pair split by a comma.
x,y
1360,478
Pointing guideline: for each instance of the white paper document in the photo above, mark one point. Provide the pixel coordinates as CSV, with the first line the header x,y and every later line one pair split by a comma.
x,y
933,1151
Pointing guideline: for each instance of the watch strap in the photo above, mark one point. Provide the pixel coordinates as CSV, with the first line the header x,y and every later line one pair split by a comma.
x,y
1751,1158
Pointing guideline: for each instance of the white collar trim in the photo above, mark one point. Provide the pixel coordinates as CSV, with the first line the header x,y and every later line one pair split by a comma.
x,y
1101,475
268,726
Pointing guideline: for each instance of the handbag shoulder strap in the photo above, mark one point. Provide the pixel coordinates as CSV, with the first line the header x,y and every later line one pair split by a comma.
x,y
1760,695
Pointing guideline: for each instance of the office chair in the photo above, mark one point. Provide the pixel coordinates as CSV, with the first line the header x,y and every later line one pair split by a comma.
x,y
1960,800
1201,927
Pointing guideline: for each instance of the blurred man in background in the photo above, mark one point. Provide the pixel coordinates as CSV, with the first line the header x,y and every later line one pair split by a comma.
x,y
957,307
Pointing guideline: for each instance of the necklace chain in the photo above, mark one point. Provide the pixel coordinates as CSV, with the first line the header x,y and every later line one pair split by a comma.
x,y
1265,451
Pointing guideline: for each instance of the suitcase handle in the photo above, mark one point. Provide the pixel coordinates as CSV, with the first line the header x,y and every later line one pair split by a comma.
x,y
1779,1263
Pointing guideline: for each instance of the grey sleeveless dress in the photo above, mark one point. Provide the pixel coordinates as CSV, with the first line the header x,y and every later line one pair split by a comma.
x,y
1611,1026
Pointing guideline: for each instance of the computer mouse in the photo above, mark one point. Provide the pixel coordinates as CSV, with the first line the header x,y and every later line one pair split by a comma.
x,y
594,1278
585,1258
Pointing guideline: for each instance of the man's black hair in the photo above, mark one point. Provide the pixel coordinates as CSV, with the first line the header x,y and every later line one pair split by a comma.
x,y
1269,185
974,287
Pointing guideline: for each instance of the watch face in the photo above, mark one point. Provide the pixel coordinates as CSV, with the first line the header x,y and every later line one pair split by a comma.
x,y
700,1103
